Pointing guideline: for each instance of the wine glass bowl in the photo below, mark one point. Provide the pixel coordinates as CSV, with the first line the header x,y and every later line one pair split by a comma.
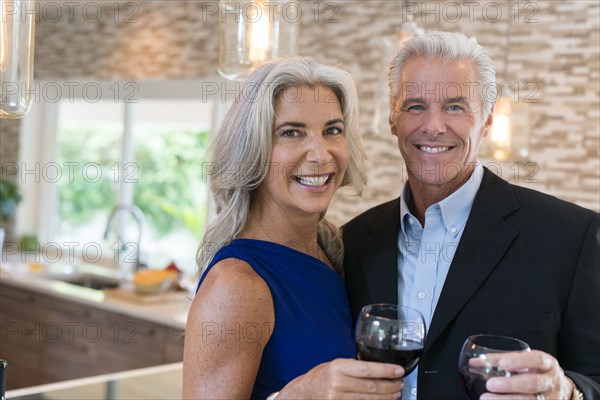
x,y
478,361
392,334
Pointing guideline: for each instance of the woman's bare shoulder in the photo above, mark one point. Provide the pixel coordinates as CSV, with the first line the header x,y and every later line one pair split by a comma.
x,y
229,324
233,291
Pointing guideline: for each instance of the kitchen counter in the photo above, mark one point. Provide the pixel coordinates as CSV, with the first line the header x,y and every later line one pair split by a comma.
x,y
54,330
172,312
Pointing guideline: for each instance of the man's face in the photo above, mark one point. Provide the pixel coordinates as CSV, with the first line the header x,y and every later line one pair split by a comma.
x,y
437,118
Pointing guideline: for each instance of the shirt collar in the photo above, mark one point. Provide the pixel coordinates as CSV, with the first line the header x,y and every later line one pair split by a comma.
x,y
455,208
404,211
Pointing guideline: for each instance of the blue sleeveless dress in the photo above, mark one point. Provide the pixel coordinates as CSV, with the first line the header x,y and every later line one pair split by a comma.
x,y
312,314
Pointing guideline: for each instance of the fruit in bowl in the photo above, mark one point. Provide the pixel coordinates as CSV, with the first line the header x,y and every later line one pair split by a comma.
x,y
153,281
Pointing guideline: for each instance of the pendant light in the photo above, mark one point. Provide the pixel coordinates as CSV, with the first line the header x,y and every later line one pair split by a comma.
x,y
254,32
389,47
17,32
509,135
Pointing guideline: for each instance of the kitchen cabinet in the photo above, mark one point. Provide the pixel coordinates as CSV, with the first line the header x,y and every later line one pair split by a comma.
x,y
48,339
174,346
20,342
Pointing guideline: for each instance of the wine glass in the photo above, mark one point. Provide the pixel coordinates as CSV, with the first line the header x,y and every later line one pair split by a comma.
x,y
477,362
392,334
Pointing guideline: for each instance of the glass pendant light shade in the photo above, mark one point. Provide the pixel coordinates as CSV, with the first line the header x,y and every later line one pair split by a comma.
x,y
509,135
253,32
508,138
501,133
17,32
389,47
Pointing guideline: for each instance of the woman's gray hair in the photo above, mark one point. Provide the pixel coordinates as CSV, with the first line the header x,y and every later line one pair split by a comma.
x,y
240,154
448,47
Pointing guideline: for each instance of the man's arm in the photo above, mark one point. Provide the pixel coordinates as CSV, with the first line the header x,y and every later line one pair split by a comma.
x,y
579,339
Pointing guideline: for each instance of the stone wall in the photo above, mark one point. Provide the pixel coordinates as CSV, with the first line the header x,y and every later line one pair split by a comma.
x,y
555,48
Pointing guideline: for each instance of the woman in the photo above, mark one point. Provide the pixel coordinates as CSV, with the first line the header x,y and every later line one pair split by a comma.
x,y
270,312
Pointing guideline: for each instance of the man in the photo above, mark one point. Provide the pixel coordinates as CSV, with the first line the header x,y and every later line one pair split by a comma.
x,y
473,253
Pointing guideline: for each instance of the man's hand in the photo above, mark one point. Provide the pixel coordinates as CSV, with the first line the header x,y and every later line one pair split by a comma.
x,y
543,375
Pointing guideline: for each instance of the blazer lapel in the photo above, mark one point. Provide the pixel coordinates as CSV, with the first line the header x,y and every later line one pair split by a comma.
x,y
485,240
378,256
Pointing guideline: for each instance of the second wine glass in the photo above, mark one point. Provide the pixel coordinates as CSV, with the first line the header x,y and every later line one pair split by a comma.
x,y
478,361
392,334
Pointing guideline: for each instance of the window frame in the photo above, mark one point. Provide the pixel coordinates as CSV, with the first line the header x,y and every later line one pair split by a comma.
x,y
38,212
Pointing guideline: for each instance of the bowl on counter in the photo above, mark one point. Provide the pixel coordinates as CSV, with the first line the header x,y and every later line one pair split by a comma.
x,y
153,281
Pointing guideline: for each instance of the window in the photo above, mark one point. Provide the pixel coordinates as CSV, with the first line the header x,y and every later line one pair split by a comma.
x,y
94,155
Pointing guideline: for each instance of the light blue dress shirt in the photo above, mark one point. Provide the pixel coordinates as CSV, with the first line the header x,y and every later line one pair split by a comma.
x,y
426,252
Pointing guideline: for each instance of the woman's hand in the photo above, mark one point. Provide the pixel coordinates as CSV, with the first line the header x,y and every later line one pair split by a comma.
x,y
544,376
347,379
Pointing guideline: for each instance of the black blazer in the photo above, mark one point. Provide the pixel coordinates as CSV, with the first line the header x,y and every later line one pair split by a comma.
x,y
527,265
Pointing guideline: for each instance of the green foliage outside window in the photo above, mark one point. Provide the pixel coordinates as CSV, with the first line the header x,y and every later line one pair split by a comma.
x,y
10,196
167,175
87,184
170,189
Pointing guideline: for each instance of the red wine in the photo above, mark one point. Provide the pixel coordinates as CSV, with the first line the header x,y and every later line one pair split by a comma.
x,y
474,379
406,354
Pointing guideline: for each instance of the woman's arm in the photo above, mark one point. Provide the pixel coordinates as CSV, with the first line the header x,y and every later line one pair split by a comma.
x,y
221,359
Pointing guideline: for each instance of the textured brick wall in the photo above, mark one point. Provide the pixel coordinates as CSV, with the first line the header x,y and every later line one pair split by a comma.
x,y
555,47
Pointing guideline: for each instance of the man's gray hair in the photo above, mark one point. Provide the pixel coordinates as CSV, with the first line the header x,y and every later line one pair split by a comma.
x,y
448,47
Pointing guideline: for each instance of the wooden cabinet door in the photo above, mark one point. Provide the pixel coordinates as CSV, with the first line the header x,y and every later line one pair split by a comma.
x,y
174,345
129,343
21,337
49,339
70,338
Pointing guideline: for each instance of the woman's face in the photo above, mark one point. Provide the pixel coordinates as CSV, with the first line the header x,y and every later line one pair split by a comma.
x,y
310,154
